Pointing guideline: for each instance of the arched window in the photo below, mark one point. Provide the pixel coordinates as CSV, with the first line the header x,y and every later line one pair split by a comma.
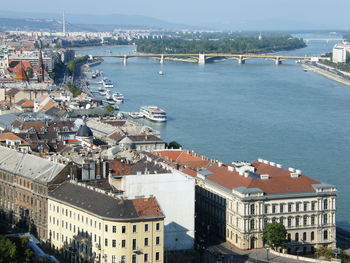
x,y
325,219
325,235
312,235
296,237
304,236
252,209
289,238
252,224
325,204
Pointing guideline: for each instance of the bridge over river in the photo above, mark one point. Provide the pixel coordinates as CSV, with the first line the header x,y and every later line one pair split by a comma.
x,y
203,58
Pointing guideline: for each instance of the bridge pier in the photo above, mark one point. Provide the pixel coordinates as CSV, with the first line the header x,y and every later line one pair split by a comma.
x,y
278,61
201,59
125,60
241,60
161,61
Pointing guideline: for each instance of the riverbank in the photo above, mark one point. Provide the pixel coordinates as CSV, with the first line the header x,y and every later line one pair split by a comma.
x,y
328,72
99,47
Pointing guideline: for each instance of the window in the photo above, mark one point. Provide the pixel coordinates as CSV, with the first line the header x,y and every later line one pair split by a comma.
x,y
106,258
325,219
158,226
145,257
296,237
134,228
305,220
146,241
305,206
312,206
325,204
114,243
304,236
312,220
114,259
252,224
114,229
106,242
312,235
273,208
265,222
157,256
133,244
252,209
281,208
134,258
289,237
297,221
123,229
157,240
325,235
297,206
123,259
146,227
123,243
266,208
106,228
282,220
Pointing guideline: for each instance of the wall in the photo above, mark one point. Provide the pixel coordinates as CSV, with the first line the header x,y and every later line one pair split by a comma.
x,y
175,195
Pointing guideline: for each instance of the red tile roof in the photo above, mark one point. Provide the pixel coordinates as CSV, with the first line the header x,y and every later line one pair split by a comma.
x,y
184,158
11,136
28,103
147,207
279,182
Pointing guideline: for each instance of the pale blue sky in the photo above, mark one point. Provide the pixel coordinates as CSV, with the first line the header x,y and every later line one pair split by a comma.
x,y
315,13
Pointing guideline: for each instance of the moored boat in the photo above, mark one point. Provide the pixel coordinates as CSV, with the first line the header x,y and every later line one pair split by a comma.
x,y
153,113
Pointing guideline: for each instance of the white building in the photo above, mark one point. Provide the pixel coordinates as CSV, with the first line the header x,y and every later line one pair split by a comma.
x,y
340,52
175,193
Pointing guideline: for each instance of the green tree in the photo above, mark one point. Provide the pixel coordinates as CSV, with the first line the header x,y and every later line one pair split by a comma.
x,y
43,260
29,72
109,108
275,235
174,145
73,89
8,250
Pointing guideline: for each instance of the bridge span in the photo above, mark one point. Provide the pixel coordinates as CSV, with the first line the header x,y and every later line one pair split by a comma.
x,y
203,58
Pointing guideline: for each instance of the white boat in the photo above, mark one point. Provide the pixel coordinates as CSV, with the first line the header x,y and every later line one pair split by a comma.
x,y
107,83
118,97
161,72
135,115
108,94
104,92
153,113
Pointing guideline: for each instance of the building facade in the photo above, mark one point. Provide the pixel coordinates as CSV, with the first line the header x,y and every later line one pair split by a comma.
x,y
88,225
24,186
236,202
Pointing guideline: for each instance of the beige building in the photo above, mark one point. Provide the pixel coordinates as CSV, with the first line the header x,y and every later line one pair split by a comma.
x,y
237,201
89,225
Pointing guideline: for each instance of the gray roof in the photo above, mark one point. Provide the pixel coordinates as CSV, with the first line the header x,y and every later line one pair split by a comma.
x,y
245,190
84,131
97,203
28,165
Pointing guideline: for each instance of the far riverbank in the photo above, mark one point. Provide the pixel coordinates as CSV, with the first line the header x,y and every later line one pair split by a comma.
x,y
328,72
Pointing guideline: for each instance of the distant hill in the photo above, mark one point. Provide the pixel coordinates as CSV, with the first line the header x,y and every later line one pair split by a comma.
x,y
77,22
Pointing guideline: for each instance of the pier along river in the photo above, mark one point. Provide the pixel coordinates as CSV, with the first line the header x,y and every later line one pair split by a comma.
x,y
231,112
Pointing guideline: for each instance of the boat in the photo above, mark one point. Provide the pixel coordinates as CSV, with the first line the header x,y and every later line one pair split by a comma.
x,y
118,97
104,92
94,75
153,113
161,72
107,83
135,115
108,95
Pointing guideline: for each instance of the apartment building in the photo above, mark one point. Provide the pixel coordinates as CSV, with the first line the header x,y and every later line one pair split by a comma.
x,y
25,180
89,225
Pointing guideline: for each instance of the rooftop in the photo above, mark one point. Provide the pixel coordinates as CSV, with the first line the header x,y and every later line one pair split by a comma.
x,y
103,205
26,165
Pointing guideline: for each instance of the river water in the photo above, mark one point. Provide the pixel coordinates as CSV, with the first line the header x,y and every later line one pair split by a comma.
x,y
230,112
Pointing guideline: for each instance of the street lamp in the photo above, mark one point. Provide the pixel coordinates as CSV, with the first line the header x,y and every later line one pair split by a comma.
x,y
267,252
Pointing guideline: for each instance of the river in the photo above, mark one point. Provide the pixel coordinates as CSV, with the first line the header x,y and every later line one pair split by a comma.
x,y
231,112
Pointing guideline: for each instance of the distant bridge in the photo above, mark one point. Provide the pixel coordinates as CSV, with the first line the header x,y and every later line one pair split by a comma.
x,y
203,58
323,39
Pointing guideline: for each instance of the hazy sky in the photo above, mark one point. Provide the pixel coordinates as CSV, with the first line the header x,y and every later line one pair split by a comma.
x,y
322,13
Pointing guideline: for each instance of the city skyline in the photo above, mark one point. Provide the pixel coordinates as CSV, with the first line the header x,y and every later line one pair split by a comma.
x,y
240,15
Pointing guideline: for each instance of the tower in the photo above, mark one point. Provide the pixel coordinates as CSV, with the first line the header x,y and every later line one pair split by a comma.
x,y
63,24
40,63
